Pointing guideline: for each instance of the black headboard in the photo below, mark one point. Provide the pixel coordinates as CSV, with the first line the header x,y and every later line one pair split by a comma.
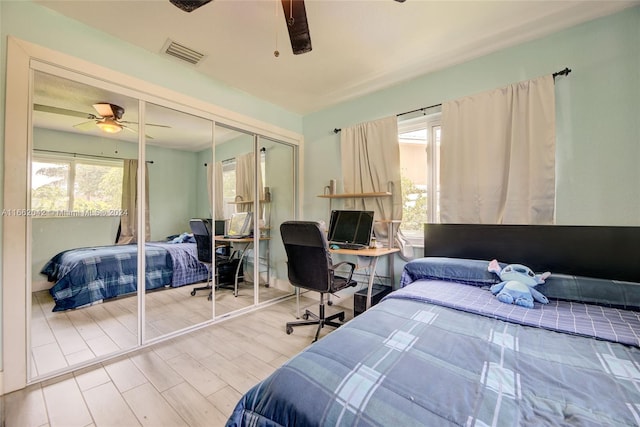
x,y
609,252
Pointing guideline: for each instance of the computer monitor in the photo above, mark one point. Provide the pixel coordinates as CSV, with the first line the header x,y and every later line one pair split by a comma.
x,y
240,224
351,227
219,227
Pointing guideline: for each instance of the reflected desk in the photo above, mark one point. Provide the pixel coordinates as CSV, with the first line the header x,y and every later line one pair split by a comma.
x,y
245,243
373,255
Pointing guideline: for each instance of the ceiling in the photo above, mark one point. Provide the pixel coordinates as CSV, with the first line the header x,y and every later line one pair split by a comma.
x,y
163,127
359,46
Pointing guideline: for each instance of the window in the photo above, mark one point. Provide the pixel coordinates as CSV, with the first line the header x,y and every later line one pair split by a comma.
x,y
70,186
228,187
229,183
419,140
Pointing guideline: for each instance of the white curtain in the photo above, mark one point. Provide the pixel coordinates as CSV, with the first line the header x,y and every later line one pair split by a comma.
x,y
245,175
497,156
215,171
370,164
129,223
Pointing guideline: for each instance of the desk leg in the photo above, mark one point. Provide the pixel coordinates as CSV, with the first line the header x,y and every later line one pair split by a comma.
x,y
373,262
235,285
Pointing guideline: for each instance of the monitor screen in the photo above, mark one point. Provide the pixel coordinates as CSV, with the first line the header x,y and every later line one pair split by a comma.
x,y
220,225
351,227
240,224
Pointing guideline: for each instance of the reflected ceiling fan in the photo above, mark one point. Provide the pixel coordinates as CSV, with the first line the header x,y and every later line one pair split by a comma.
x,y
294,12
108,119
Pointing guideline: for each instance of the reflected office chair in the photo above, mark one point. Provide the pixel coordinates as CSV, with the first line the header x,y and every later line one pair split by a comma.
x,y
309,266
201,229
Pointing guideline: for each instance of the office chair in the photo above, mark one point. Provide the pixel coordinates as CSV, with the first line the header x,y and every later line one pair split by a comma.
x,y
201,229
309,266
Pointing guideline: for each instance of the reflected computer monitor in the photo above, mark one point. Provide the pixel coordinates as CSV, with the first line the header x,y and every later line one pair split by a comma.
x,y
240,225
219,227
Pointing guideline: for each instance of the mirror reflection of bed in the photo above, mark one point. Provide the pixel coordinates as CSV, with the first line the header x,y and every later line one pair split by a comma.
x,y
89,322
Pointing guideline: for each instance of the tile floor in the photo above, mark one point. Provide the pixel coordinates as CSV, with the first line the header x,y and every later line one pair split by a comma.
x,y
192,380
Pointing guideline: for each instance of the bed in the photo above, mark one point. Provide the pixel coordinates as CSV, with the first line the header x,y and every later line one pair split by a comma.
x,y
84,276
441,350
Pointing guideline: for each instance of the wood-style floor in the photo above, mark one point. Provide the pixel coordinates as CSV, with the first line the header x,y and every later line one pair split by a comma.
x,y
192,380
63,339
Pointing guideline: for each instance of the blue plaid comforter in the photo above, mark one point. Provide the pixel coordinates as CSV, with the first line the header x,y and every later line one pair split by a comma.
x,y
414,361
87,275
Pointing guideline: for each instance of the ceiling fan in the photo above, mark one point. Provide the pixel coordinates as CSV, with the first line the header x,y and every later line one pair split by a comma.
x,y
294,12
108,119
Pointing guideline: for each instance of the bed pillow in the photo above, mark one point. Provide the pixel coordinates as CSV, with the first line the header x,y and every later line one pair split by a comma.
x,y
468,271
611,293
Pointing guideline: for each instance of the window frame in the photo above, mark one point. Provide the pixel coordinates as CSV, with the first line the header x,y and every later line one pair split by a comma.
x,y
432,123
72,160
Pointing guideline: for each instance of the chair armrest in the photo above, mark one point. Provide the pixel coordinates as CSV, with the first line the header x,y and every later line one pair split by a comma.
x,y
350,264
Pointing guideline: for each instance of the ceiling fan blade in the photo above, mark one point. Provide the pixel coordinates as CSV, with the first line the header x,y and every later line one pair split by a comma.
x,y
63,111
189,5
86,126
296,16
135,131
146,124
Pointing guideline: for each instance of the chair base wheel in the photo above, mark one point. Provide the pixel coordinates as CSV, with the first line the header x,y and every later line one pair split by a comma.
x,y
289,330
193,293
329,302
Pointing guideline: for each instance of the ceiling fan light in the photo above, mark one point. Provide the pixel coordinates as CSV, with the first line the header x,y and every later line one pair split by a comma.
x,y
109,125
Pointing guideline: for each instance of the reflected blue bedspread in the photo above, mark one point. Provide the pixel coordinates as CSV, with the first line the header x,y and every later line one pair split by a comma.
x,y
86,275
410,361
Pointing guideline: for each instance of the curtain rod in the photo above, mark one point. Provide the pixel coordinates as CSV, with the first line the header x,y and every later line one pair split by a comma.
x,y
423,109
564,72
262,150
85,155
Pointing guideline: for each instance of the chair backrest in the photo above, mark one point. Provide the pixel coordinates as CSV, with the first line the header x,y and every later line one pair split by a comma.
x,y
308,257
201,229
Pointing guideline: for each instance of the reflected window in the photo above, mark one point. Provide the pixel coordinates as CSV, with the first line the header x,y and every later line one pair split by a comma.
x,y
229,183
70,186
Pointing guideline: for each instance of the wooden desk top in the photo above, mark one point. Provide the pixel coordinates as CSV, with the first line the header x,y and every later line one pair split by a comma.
x,y
370,252
237,239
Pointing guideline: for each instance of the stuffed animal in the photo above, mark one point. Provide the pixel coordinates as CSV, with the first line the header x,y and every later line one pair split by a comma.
x,y
517,286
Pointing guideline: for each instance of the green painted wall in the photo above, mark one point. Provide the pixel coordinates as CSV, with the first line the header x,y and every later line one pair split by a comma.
x,y
598,116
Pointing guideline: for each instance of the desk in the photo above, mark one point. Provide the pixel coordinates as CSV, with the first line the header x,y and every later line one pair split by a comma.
x,y
373,254
247,242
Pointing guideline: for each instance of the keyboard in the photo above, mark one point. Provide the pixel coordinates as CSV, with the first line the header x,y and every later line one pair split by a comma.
x,y
354,246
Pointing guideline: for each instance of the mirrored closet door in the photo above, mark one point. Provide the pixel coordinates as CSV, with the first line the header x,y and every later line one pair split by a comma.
x,y
234,176
279,201
84,149
177,144
121,186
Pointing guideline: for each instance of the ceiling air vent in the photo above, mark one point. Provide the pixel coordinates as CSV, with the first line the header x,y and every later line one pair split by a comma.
x,y
182,52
